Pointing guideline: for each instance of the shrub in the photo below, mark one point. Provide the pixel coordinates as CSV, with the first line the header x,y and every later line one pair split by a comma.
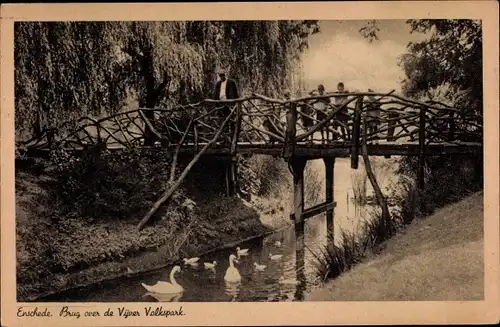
x,y
263,175
100,185
359,181
447,179
333,260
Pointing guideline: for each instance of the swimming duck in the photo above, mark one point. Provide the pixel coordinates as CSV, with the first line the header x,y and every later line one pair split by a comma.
x,y
277,243
209,265
232,274
191,261
164,287
241,252
275,256
259,267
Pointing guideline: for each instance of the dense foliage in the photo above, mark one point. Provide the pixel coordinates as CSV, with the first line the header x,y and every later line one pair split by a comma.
x,y
446,67
452,55
65,70
100,185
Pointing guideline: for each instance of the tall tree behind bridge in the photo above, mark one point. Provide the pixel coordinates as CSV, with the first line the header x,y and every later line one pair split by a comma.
x,y
450,60
446,66
452,56
65,70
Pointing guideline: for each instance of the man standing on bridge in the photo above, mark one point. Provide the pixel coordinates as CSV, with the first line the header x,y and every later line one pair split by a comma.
x,y
343,116
226,89
320,106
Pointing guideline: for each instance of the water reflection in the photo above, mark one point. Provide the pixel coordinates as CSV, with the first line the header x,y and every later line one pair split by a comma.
x,y
299,263
233,290
166,297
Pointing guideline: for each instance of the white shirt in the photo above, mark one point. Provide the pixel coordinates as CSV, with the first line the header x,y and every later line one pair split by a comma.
x,y
320,106
339,100
222,94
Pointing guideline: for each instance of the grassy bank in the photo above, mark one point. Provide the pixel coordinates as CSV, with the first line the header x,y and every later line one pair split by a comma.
x,y
434,259
447,181
63,244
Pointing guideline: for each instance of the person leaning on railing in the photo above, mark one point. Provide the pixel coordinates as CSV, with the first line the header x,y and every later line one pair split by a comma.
x,y
307,120
343,115
272,121
226,89
320,106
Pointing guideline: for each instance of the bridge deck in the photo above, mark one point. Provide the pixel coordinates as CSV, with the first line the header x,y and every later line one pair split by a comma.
x,y
260,125
317,150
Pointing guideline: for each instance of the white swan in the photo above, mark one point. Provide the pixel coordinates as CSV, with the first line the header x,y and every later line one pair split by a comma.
x,y
259,267
241,252
275,256
232,274
209,265
165,287
282,280
191,261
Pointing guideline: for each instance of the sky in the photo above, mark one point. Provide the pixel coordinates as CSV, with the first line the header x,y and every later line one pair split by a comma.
x,y
340,53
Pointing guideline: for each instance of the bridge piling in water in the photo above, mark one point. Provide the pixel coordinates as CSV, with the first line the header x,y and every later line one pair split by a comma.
x,y
329,196
299,214
298,165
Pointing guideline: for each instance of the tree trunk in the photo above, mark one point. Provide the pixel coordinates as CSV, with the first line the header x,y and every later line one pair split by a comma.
x,y
152,94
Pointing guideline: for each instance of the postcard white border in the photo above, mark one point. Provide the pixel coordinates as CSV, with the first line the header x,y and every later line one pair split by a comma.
x,y
303,313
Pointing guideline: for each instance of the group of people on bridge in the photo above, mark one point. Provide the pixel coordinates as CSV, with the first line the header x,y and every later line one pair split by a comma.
x,y
311,113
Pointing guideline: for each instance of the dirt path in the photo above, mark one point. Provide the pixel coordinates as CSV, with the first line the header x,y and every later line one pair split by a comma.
x,y
437,258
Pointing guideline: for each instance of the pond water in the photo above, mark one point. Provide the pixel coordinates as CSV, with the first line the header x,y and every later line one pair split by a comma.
x,y
297,264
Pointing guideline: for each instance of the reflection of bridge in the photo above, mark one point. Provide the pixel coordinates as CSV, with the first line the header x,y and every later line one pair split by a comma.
x,y
286,128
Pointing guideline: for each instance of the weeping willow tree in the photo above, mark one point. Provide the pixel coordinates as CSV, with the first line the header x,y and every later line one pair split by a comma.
x,y
262,56
62,71
65,70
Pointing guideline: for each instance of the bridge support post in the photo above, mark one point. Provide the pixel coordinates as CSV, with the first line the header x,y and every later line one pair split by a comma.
x,y
298,164
329,196
232,168
290,132
356,131
231,176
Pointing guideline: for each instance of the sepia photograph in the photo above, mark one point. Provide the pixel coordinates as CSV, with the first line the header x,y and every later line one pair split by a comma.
x,y
325,160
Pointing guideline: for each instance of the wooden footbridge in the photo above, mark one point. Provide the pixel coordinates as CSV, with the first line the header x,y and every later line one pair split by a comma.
x,y
385,124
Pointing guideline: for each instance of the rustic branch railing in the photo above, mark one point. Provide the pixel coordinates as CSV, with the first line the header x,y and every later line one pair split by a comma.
x,y
258,119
